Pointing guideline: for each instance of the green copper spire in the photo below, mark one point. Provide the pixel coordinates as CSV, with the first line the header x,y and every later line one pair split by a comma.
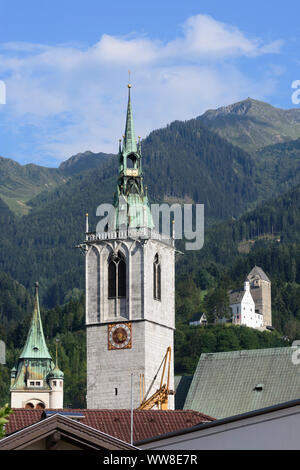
x,y
129,137
35,346
131,202
35,362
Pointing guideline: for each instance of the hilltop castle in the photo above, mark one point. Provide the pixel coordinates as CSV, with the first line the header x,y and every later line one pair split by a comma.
x,y
252,305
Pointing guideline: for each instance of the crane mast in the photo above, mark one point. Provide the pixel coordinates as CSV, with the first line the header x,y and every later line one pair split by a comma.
x,y
161,397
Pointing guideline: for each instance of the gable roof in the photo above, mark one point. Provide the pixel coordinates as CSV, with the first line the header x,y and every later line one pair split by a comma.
x,y
230,383
66,429
116,423
236,296
198,316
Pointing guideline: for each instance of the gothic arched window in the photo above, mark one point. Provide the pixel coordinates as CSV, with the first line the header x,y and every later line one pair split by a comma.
x,y
117,276
156,278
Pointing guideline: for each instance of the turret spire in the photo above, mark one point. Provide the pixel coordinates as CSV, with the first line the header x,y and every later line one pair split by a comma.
x,y
35,370
35,346
132,205
129,140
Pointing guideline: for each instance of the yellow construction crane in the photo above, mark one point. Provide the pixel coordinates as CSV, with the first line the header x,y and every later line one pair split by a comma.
x,y
161,396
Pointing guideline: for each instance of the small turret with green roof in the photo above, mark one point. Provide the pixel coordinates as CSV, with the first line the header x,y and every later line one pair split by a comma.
x,y
56,373
30,377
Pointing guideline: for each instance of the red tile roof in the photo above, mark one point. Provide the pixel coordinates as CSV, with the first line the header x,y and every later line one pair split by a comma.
x,y
116,423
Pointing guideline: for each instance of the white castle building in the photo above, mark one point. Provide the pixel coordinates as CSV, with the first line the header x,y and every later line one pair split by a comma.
x,y
243,308
130,293
252,306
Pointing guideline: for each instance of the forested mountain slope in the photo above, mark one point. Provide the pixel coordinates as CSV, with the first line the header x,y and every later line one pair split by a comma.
x,y
253,124
20,183
184,161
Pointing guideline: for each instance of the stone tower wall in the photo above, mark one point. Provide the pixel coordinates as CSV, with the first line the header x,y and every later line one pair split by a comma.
x,y
261,293
152,322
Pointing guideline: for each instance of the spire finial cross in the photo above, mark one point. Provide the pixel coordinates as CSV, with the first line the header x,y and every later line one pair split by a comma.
x,y
129,84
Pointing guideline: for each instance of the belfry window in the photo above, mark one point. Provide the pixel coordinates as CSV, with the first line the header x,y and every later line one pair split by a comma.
x,y
131,161
156,278
117,276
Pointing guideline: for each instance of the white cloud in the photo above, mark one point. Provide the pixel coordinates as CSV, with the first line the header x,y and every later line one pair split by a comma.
x,y
74,99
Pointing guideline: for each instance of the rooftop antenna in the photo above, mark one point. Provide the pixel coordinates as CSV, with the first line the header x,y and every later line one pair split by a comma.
x,y
57,340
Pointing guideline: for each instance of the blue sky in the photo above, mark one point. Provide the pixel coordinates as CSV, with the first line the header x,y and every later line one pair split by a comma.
x,y
65,66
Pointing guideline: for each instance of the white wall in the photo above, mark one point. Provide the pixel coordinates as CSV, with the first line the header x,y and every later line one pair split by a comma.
x,y
276,430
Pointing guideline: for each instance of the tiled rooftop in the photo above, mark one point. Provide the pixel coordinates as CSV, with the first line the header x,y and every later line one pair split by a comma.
x,y
116,423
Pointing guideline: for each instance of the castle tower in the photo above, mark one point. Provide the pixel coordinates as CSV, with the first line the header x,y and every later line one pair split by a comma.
x,y
260,288
130,287
36,382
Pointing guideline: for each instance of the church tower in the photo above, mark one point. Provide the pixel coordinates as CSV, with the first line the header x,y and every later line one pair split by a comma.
x,y
36,382
260,287
130,287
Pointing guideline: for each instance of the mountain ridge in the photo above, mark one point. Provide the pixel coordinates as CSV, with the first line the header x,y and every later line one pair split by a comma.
x,y
253,124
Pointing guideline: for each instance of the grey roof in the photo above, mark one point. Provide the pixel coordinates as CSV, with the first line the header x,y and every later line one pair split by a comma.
x,y
257,271
236,296
198,316
229,383
182,384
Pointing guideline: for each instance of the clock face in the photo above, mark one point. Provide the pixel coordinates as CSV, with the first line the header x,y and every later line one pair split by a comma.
x,y
119,336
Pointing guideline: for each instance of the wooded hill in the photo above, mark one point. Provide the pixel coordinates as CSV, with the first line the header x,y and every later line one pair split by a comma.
x,y
252,205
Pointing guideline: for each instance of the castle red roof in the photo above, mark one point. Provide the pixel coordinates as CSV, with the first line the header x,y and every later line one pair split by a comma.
x,y
116,423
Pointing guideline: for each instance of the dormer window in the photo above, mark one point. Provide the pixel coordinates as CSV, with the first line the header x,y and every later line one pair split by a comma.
x,y
34,383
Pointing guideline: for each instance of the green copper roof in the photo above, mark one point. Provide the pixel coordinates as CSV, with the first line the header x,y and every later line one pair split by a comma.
x,y
129,145
35,361
230,383
56,373
35,346
131,202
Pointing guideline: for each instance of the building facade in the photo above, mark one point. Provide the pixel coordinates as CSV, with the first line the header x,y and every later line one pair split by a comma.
x,y
130,293
36,382
243,308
